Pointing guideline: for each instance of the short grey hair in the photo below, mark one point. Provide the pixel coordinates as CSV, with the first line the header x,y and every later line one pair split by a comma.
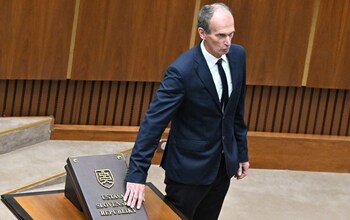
x,y
206,13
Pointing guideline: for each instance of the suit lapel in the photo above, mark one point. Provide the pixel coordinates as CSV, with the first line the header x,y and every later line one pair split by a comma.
x,y
203,72
233,62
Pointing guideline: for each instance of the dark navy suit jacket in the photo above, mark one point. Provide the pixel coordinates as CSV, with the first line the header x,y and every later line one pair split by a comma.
x,y
199,131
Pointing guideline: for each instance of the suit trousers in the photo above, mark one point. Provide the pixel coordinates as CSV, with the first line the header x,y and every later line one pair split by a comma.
x,y
202,202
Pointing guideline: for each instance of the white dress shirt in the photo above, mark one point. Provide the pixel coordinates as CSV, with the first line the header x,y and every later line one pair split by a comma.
x,y
213,67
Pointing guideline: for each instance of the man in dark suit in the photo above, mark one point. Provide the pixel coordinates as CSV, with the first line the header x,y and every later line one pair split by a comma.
x,y
202,94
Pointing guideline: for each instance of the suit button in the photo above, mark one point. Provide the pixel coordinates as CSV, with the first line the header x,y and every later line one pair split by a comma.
x,y
223,137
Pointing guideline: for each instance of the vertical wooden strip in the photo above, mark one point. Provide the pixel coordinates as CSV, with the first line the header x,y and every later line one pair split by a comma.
x,y
137,102
274,125
31,97
68,102
255,108
325,112
13,97
22,97
194,23
73,37
307,99
113,98
132,98
103,103
3,95
51,108
33,100
48,98
334,111
97,100
271,110
44,96
300,111
18,101
65,107
288,112
83,103
77,102
88,100
121,102
321,111
338,108
317,112
292,110
283,121
312,114
260,108
304,111
6,108
280,103
73,96
60,97
296,110
142,103
93,102
263,108
128,103
329,112
248,104
316,9
40,93
344,127
108,103
250,115
115,109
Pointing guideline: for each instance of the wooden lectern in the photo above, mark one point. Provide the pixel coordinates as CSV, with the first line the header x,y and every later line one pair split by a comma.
x,y
94,189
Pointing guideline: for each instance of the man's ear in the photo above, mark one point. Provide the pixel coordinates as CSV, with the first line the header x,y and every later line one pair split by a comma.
x,y
201,32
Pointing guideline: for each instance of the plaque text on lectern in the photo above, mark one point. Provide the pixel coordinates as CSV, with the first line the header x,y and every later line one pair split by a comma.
x,y
95,185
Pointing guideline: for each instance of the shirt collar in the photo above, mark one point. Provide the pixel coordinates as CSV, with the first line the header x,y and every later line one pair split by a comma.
x,y
211,60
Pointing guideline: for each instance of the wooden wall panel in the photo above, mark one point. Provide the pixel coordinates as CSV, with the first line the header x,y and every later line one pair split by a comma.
x,y
130,40
268,109
275,35
331,48
35,38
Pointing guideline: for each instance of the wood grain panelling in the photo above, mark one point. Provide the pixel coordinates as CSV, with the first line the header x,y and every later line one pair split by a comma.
x,y
268,109
275,35
130,40
35,38
329,66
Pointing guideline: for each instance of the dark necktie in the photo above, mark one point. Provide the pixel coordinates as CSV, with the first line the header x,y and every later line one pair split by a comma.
x,y
224,97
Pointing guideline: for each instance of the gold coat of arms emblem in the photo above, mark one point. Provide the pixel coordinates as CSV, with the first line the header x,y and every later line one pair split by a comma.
x,y
105,178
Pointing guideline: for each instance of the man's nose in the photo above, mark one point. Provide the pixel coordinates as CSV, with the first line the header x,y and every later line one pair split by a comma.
x,y
227,40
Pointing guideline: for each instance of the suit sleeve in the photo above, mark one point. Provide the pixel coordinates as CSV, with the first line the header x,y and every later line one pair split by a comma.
x,y
161,110
239,124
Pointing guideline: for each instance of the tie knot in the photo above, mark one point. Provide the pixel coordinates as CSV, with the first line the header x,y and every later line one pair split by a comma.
x,y
219,61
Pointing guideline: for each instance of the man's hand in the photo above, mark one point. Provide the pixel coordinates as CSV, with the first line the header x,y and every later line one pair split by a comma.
x,y
134,194
242,171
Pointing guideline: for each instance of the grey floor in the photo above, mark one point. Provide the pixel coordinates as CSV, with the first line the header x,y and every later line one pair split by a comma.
x,y
264,194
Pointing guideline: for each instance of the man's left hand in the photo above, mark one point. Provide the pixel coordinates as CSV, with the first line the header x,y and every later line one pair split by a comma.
x,y
242,171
